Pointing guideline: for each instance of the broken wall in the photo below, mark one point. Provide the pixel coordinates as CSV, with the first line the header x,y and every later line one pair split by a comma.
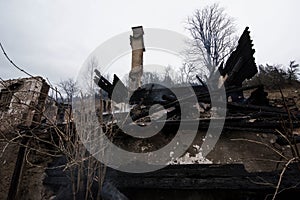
x,y
22,103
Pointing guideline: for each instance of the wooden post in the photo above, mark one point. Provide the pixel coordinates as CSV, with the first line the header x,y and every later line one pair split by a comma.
x,y
17,175
137,46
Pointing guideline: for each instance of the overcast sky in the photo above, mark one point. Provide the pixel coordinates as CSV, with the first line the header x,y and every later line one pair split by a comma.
x,y
52,38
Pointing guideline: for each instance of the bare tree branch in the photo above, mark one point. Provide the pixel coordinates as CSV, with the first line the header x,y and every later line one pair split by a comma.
x,y
213,33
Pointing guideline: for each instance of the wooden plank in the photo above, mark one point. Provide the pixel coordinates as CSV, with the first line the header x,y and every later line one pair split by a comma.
x,y
203,177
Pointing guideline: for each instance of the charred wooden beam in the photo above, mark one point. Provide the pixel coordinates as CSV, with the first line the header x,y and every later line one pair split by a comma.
x,y
204,177
251,108
151,94
103,83
241,63
117,89
17,175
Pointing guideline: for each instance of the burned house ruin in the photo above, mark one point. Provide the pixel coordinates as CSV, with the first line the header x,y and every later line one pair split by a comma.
x,y
259,140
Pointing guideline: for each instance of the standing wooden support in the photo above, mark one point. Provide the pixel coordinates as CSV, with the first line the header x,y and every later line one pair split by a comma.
x,y
137,46
16,178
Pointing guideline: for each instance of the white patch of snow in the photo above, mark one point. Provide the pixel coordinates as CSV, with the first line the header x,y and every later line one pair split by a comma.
x,y
189,159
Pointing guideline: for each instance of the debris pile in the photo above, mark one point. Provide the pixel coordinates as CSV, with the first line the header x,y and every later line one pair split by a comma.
x,y
254,112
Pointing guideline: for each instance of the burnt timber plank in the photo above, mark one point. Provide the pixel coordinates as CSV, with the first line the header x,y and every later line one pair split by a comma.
x,y
202,177
241,63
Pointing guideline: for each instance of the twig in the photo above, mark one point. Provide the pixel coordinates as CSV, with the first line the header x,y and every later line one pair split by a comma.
x,y
281,176
264,144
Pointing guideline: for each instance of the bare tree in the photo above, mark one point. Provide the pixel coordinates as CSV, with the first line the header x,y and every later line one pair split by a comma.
x,y
213,33
293,71
167,76
89,74
150,77
188,72
69,88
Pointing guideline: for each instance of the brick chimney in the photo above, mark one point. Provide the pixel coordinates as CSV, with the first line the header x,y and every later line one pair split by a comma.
x,y
138,48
